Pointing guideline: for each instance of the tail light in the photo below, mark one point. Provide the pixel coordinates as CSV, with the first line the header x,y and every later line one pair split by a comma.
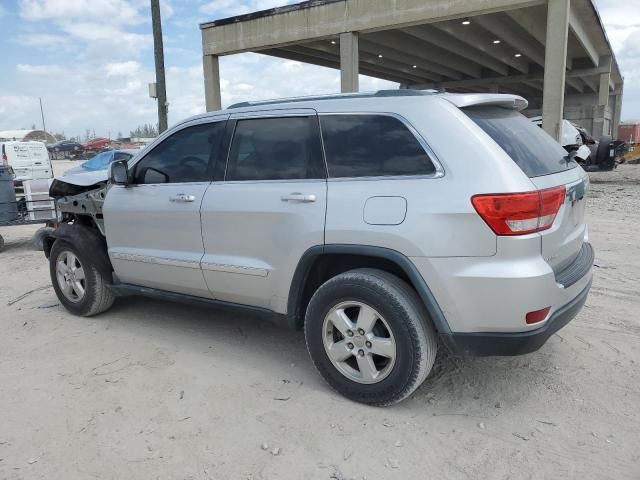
x,y
5,160
520,213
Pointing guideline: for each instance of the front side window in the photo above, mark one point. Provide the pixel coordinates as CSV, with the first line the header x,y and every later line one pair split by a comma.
x,y
183,157
275,149
365,145
99,162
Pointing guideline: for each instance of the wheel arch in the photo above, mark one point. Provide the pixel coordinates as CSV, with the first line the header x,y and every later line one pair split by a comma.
x,y
87,240
322,262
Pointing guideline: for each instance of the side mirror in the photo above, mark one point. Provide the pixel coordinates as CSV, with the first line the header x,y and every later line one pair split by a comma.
x,y
119,173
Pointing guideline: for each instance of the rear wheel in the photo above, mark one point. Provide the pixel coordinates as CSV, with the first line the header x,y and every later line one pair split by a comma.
x,y
370,337
603,157
79,285
1,243
39,236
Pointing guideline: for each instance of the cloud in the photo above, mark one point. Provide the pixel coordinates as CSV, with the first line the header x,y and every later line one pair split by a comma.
x,y
113,11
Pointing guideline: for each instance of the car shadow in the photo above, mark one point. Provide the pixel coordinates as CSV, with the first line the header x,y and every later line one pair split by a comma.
x,y
455,384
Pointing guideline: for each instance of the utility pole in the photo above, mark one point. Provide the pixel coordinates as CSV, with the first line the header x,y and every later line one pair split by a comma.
x,y
44,127
158,51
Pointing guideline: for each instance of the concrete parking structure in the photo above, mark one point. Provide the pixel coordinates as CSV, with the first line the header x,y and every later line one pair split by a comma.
x,y
480,46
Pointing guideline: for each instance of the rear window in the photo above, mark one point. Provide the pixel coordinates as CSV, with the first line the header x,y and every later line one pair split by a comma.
x,y
535,152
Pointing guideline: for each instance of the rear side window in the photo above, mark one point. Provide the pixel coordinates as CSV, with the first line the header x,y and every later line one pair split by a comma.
x,y
371,146
285,148
535,152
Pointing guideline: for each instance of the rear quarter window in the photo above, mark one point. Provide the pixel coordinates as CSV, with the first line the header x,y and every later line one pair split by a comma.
x,y
372,145
530,147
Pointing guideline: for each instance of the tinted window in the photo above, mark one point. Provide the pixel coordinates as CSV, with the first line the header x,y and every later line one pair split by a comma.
x,y
182,157
535,152
275,149
372,145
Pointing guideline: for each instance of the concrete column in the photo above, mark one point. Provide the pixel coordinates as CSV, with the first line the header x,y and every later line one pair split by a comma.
x,y
599,123
615,122
212,96
349,62
555,64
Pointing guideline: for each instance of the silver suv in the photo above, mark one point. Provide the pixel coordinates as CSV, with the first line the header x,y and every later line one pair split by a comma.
x,y
384,224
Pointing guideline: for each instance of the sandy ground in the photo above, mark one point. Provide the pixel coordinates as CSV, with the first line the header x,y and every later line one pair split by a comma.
x,y
154,390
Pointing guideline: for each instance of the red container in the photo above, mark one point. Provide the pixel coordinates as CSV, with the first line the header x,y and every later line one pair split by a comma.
x,y
629,132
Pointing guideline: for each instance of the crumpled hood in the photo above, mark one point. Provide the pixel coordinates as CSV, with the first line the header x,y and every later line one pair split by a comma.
x,y
75,183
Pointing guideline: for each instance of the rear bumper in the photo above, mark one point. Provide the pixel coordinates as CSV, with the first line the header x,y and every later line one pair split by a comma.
x,y
516,343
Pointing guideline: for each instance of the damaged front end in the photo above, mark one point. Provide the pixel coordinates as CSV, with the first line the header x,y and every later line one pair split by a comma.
x,y
81,203
79,200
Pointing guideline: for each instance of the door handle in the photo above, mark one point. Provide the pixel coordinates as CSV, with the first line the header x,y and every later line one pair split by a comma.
x,y
183,198
298,198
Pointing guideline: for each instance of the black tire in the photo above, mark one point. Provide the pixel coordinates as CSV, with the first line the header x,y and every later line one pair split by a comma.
x,y
408,320
1,243
97,296
604,161
38,238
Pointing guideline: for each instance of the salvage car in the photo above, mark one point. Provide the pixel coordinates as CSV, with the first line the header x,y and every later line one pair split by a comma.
x,y
101,161
382,224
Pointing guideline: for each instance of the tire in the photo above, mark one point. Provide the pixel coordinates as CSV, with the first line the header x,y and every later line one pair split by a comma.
x,y
400,317
604,161
38,238
1,243
97,297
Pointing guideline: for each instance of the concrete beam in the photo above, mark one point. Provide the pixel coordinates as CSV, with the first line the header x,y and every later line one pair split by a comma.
x,y
450,43
398,52
295,24
369,58
555,67
529,20
502,29
293,53
482,41
436,60
584,74
212,94
583,38
349,62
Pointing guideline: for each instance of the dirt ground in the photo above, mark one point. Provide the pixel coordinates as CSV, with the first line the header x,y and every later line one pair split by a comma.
x,y
154,390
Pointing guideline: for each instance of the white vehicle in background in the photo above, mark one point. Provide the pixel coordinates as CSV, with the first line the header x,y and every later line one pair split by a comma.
x,y
571,140
29,160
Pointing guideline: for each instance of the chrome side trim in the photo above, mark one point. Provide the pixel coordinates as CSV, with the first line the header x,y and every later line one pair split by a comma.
x,y
242,270
171,262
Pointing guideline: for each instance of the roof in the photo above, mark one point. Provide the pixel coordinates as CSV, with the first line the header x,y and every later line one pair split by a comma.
x,y
424,44
26,134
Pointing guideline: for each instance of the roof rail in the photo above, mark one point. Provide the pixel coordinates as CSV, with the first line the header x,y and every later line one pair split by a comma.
x,y
379,93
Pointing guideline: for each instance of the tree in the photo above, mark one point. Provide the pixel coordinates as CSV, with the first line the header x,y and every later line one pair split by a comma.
x,y
33,126
59,136
144,131
119,135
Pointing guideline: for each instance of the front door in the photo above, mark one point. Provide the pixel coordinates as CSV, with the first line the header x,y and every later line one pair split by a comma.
x,y
153,226
268,211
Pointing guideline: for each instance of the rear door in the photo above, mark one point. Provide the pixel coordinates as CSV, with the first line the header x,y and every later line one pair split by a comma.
x,y
547,165
40,162
153,228
19,158
267,210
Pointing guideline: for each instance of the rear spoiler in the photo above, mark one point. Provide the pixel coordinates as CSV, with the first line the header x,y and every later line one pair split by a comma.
x,y
503,100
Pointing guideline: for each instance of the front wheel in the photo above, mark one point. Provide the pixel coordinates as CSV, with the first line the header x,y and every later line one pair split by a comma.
x,y
79,285
370,336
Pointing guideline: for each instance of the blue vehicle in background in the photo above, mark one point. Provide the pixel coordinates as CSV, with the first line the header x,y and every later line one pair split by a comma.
x,y
101,161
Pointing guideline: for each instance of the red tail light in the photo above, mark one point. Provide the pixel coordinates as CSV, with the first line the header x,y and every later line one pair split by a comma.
x,y
520,213
5,160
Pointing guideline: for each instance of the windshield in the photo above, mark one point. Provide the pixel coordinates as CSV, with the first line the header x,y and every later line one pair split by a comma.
x,y
99,162
530,147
